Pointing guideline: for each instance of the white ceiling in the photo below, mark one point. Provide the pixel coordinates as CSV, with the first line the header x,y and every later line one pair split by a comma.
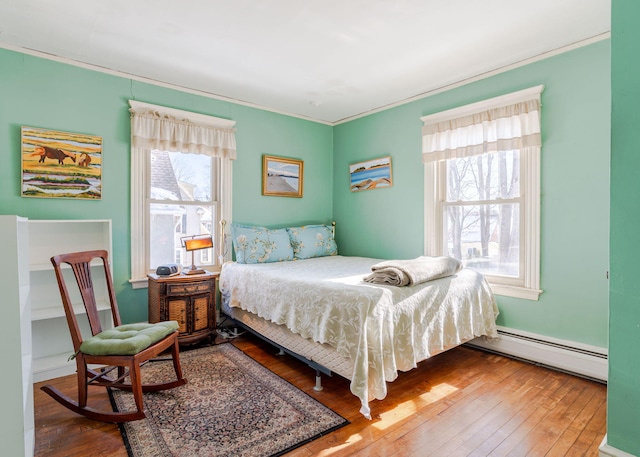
x,y
327,60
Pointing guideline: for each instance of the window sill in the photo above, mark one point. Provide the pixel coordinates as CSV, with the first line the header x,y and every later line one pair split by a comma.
x,y
141,283
516,291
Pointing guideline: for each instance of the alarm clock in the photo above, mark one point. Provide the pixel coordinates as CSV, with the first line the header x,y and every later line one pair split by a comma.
x,y
169,269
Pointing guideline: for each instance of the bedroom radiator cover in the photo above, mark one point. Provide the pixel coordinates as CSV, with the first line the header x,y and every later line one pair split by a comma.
x,y
575,358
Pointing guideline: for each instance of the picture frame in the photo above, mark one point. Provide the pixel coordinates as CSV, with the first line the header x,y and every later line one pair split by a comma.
x,y
58,164
371,174
282,177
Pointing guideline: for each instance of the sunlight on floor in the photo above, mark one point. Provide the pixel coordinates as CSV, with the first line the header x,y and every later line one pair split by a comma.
x,y
403,410
351,440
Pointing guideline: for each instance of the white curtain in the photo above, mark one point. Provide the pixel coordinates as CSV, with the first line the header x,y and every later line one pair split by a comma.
x,y
503,128
153,130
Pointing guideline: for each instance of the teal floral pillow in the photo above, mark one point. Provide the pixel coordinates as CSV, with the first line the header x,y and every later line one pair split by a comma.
x,y
312,241
260,244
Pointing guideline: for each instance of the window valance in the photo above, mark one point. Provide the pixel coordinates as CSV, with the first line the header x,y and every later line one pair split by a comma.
x,y
500,124
174,130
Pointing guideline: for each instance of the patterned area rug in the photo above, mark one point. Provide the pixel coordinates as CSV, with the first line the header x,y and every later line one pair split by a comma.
x,y
230,406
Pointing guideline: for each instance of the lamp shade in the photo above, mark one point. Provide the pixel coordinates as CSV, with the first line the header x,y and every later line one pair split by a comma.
x,y
196,242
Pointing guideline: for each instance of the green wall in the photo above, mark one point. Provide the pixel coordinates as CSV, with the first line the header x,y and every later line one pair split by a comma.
x,y
623,402
388,222
41,93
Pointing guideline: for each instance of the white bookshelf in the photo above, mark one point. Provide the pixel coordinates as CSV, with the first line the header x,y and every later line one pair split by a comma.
x,y
51,341
17,419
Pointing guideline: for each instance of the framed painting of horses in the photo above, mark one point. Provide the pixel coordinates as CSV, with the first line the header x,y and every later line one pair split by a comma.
x,y
61,164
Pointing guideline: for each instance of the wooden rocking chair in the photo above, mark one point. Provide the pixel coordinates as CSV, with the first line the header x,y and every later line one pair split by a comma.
x,y
123,349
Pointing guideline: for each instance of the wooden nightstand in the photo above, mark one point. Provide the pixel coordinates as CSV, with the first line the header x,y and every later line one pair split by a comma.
x,y
190,300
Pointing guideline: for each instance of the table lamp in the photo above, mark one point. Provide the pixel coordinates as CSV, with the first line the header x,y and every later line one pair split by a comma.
x,y
195,243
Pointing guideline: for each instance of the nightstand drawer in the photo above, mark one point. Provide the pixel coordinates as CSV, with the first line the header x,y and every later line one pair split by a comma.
x,y
189,288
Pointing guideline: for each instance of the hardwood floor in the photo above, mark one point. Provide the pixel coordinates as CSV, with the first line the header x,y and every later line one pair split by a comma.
x,y
463,402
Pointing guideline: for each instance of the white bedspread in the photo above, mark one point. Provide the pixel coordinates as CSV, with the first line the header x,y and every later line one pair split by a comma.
x,y
382,328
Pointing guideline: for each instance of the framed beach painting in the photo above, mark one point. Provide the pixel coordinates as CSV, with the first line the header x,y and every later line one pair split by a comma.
x,y
61,164
282,177
372,174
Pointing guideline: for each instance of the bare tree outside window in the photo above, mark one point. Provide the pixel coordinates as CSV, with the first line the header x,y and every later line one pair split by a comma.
x,y
482,212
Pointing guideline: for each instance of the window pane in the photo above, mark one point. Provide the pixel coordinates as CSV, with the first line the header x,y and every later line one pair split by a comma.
x,y
484,177
169,223
180,176
485,237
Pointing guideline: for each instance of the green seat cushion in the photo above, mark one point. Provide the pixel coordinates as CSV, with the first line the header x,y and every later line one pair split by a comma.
x,y
128,339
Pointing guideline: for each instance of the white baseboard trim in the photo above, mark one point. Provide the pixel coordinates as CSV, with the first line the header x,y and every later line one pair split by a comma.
x,y
609,451
53,372
576,358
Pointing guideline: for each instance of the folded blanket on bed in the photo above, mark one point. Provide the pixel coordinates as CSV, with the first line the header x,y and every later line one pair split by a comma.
x,y
413,271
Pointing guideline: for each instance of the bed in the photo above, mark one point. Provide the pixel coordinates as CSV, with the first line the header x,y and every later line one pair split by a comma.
x,y
321,309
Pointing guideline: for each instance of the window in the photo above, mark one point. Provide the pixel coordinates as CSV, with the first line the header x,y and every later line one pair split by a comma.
x,y
482,194
481,212
181,202
180,185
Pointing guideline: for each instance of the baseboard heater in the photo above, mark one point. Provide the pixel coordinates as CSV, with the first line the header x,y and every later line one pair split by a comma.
x,y
576,358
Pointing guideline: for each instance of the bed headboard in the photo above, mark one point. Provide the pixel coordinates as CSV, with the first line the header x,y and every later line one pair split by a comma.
x,y
222,245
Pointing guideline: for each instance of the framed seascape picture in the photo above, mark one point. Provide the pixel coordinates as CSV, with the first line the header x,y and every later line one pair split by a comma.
x,y
61,164
282,177
372,174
